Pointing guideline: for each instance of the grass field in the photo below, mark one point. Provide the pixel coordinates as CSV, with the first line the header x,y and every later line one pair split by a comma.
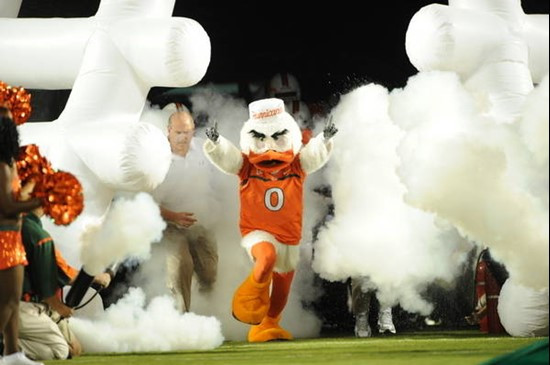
x,y
412,348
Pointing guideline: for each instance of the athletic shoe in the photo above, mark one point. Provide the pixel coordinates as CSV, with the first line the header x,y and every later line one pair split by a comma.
x,y
385,322
362,328
18,358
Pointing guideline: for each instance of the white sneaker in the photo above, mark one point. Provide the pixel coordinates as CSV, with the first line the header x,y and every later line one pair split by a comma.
x,y
18,358
362,328
432,322
385,322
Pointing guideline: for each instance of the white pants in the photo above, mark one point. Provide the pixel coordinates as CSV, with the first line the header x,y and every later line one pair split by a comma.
x,y
39,336
288,256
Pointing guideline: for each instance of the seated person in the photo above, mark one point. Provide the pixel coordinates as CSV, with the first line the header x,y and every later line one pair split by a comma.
x,y
44,333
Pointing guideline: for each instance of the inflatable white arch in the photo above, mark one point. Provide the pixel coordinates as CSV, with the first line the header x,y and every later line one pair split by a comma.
x,y
10,9
497,49
110,61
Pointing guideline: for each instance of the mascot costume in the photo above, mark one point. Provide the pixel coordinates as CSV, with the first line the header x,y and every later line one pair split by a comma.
x,y
272,166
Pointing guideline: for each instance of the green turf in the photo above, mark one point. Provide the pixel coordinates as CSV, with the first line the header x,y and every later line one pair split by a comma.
x,y
418,348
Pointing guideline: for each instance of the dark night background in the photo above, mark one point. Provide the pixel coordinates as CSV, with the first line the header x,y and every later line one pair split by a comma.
x,y
330,47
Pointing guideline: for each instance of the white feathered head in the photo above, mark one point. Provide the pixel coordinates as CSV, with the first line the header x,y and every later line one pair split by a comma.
x,y
270,137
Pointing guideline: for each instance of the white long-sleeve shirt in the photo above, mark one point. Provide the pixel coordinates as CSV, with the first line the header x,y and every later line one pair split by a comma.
x,y
188,185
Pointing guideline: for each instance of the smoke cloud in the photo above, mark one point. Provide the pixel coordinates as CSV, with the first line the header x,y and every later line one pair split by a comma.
x,y
374,232
486,177
128,230
132,326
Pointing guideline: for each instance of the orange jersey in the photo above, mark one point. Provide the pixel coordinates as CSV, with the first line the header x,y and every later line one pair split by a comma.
x,y
272,203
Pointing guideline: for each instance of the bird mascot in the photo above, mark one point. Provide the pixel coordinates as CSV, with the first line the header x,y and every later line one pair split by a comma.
x,y
272,166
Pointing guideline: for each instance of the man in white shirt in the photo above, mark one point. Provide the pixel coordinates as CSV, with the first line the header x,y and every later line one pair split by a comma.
x,y
186,203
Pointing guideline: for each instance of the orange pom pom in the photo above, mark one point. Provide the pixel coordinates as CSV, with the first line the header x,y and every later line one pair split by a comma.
x,y
64,200
31,165
17,100
60,191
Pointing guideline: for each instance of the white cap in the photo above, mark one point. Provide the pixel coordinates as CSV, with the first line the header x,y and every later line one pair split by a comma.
x,y
265,109
269,116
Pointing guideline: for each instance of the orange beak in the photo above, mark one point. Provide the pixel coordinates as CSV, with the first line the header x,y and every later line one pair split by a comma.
x,y
271,160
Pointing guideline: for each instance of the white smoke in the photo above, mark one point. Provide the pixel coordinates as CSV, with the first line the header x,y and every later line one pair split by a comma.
x,y
374,233
476,172
533,129
131,226
128,230
132,326
419,175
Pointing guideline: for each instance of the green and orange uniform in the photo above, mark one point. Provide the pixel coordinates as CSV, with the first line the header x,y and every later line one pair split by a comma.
x,y
47,272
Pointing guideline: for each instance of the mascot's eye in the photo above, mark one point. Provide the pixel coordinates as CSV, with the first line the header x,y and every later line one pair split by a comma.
x,y
278,134
257,135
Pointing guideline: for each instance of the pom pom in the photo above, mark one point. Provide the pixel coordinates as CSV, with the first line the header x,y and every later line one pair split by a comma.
x,y
63,199
31,165
60,191
17,100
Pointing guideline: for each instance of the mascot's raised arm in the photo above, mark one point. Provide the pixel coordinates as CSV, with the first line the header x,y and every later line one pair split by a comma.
x,y
272,166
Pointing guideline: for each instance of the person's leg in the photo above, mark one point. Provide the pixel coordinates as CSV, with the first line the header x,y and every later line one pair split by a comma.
x,y
179,266
251,300
279,293
269,329
360,297
283,274
265,255
360,304
186,269
75,347
11,286
385,320
39,336
204,251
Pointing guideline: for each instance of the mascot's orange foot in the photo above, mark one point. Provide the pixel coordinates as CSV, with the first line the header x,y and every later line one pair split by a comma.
x,y
251,301
268,330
